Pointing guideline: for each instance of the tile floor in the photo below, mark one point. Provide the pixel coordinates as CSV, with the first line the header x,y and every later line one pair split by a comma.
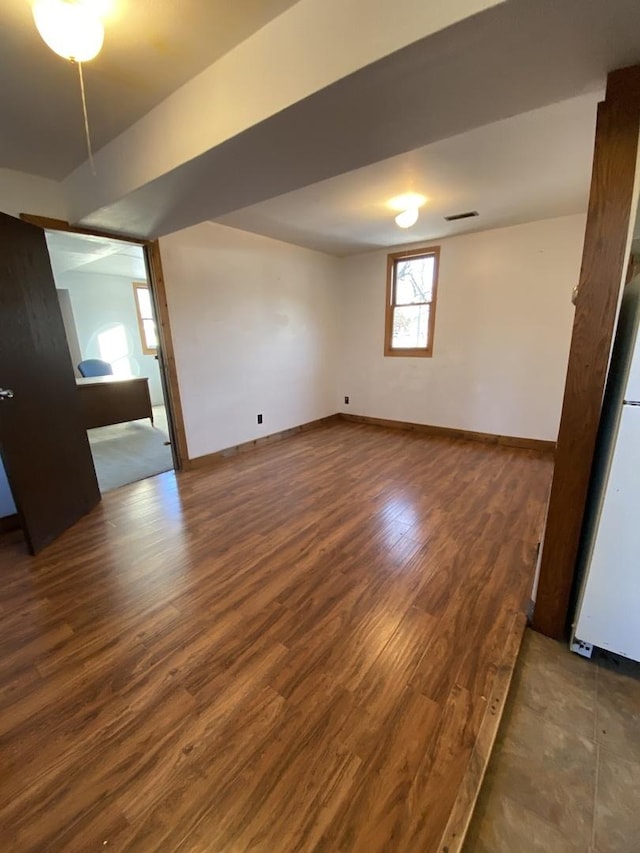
x,y
564,776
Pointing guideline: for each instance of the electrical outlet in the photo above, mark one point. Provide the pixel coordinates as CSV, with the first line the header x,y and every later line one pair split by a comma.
x,y
259,419
346,400
582,648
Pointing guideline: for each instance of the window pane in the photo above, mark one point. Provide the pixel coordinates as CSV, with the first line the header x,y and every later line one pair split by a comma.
x,y
150,336
410,327
144,303
414,280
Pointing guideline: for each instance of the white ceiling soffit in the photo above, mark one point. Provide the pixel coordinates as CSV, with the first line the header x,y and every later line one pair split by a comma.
x,y
80,253
151,48
533,166
515,57
311,45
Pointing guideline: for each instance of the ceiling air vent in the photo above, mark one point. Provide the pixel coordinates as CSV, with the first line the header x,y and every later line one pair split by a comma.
x,y
455,216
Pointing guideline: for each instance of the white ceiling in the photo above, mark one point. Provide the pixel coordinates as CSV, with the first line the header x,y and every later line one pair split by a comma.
x,y
151,48
531,166
519,56
95,255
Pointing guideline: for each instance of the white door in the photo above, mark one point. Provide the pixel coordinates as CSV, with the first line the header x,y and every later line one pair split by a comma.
x,y
609,615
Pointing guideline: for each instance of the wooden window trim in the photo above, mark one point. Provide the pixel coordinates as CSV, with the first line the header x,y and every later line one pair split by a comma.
x,y
142,285
419,352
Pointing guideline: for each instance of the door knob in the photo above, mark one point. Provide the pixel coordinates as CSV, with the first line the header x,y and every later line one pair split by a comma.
x,y
5,394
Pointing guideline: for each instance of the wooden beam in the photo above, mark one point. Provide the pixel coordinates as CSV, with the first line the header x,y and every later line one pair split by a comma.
x,y
604,265
623,87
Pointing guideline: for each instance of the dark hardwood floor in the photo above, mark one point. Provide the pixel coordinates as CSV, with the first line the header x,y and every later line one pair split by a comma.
x,y
291,651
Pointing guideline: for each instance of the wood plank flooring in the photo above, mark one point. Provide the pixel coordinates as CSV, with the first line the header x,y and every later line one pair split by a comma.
x,y
291,651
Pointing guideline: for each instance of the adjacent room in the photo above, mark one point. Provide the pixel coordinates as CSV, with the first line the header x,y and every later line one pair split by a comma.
x,y
110,328
306,314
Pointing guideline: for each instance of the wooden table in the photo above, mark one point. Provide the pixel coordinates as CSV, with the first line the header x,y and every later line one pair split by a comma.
x,y
107,400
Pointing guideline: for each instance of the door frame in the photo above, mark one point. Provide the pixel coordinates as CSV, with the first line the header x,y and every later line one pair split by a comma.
x,y
166,360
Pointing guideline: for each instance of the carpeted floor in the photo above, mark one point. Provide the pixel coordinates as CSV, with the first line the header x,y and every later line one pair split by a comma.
x,y
124,453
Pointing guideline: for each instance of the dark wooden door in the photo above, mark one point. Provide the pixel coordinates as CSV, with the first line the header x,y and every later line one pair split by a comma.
x,y
43,444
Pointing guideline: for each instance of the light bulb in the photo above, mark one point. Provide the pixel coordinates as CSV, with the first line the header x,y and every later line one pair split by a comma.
x,y
71,29
407,218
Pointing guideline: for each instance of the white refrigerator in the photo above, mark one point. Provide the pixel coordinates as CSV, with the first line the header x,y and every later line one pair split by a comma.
x,y
608,603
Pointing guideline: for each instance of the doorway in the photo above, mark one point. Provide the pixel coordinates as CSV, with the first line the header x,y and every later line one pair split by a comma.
x,y
107,305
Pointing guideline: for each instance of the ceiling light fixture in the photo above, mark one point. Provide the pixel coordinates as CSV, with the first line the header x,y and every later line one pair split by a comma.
x,y
407,218
74,30
409,206
71,28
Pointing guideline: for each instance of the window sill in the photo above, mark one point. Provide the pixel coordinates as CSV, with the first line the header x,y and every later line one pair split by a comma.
x,y
408,353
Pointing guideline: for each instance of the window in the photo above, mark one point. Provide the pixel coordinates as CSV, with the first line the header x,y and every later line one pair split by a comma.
x,y
146,321
113,344
412,280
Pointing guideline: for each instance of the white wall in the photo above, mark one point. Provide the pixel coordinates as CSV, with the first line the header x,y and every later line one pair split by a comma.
x,y
263,326
24,193
254,328
101,302
503,329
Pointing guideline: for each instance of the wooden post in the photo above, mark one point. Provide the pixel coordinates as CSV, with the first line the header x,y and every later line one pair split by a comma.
x,y
602,275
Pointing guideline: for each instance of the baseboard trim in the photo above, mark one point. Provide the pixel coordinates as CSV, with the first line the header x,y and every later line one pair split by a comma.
x,y
449,432
462,811
9,523
220,455
427,429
